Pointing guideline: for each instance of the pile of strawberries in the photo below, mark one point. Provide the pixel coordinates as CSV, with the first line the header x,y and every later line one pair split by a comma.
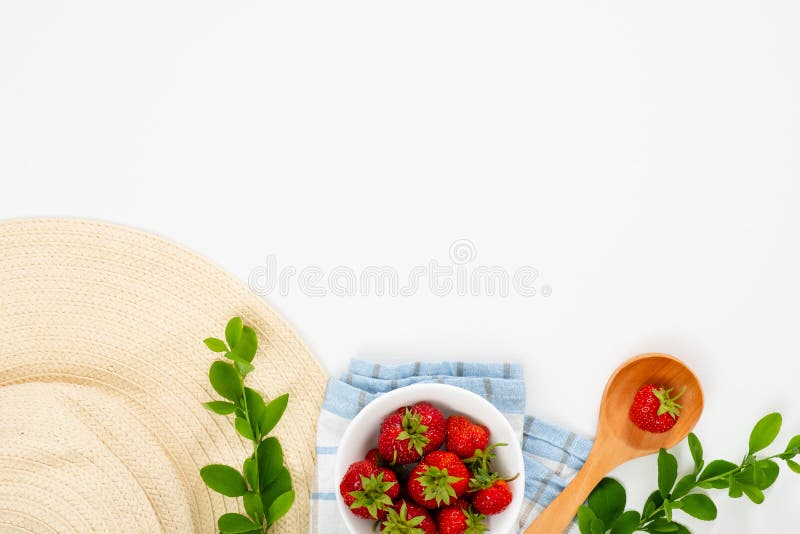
x,y
409,485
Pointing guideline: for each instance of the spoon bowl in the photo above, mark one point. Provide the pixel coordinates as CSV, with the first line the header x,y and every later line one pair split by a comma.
x,y
662,370
618,438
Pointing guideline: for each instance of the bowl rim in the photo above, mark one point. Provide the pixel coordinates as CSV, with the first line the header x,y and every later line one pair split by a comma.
x,y
514,449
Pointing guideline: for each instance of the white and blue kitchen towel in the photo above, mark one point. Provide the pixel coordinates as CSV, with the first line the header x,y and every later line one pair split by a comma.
x,y
552,455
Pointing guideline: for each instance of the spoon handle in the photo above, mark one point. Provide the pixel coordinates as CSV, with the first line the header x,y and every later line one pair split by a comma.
x,y
557,516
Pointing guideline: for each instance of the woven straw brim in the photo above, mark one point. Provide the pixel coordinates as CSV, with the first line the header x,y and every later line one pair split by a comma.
x,y
103,374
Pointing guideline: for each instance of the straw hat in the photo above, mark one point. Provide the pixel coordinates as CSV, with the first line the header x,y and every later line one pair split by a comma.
x,y
102,376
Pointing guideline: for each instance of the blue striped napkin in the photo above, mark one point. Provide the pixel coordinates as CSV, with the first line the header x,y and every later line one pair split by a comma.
x,y
552,455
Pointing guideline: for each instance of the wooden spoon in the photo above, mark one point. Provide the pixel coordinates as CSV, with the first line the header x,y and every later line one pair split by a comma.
x,y
618,439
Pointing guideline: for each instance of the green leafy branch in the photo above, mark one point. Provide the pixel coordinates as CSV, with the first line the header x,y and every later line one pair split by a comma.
x,y
605,510
264,483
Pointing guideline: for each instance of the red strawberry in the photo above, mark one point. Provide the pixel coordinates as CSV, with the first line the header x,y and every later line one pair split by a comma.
x,y
654,409
374,457
408,518
464,436
409,433
440,478
494,499
461,502
368,489
460,519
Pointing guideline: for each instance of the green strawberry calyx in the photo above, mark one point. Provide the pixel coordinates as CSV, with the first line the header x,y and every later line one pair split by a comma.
x,y
668,404
399,523
475,522
438,485
483,478
373,495
414,431
483,458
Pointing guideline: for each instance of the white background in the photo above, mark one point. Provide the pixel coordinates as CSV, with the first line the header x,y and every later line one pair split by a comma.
x,y
642,155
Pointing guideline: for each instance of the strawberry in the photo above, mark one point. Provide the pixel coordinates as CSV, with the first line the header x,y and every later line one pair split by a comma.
x,y
494,499
408,518
654,409
409,433
440,478
460,519
464,436
490,492
369,490
374,456
461,502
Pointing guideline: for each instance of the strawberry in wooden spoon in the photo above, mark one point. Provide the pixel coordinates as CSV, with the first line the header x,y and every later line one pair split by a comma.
x,y
654,409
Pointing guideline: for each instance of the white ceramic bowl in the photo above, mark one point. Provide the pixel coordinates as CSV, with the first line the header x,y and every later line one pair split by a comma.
x,y
361,435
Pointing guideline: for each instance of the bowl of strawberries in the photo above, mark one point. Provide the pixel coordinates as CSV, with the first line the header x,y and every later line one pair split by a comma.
x,y
430,458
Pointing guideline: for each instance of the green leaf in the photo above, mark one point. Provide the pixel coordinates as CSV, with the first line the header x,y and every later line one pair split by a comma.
x,y
794,466
217,345
243,428
653,502
734,489
224,479
627,523
585,518
607,500
761,474
720,483
668,509
225,380
667,472
667,527
248,344
684,486
233,331
280,485
235,523
716,468
588,523
270,460
220,407
273,413
697,452
241,364
245,368
280,506
598,527
793,447
253,507
765,432
700,506
765,473
256,408
250,470
752,492
662,525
